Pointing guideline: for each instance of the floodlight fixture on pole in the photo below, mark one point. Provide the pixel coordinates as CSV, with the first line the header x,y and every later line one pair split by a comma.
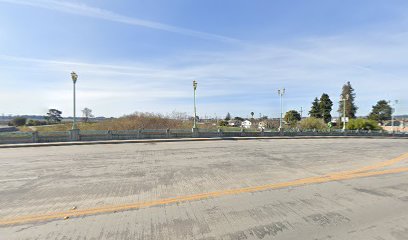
x,y
74,77
344,99
281,92
195,109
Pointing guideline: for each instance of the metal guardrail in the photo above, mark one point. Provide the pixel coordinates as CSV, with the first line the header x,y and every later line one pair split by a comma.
x,y
16,137
42,137
7,129
95,135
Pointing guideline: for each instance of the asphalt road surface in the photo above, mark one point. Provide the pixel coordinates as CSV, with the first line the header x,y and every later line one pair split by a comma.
x,y
252,189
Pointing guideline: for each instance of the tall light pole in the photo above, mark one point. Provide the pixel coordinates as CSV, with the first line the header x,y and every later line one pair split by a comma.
x,y
195,109
281,92
74,77
392,114
344,99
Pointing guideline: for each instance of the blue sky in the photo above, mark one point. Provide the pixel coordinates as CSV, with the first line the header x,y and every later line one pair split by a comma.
x,y
143,55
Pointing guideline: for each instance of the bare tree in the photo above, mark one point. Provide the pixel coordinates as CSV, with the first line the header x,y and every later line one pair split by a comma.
x,y
87,114
177,115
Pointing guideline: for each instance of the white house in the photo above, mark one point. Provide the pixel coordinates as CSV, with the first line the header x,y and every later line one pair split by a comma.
x,y
246,124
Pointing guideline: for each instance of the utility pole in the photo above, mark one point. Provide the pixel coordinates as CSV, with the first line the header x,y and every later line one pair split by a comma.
x,y
74,77
195,109
281,92
301,112
344,99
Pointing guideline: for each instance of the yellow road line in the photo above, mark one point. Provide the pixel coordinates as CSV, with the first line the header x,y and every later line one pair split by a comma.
x,y
382,164
114,208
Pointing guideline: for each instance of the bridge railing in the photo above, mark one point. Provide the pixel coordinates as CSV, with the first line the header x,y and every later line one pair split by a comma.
x,y
98,135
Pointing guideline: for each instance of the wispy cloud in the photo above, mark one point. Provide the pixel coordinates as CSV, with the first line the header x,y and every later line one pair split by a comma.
x,y
238,81
86,10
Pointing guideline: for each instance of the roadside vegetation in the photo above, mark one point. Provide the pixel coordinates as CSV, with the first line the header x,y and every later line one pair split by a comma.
x,y
363,124
312,123
320,118
128,122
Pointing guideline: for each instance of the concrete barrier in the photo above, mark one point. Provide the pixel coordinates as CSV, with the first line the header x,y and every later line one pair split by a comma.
x,y
77,135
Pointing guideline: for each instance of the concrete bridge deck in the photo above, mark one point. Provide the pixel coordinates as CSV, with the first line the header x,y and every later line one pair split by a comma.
x,y
254,189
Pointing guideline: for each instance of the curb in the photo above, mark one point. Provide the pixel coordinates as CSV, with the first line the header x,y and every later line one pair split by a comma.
x,y
23,145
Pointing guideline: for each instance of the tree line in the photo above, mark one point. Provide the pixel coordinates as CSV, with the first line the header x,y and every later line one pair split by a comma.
x,y
53,116
321,109
319,114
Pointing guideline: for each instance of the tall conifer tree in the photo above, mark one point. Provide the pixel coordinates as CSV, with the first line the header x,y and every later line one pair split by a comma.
x,y
315,110
325,106
351,108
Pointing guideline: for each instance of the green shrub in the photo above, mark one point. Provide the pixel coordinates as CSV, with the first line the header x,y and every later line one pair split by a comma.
x,y
223,123
18,121
312,123
362,124
32,122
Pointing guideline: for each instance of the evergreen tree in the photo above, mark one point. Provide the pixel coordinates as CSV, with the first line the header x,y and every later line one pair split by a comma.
x,y
315,111
381,112
53,116
348,94
292,117
228,117
325,106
